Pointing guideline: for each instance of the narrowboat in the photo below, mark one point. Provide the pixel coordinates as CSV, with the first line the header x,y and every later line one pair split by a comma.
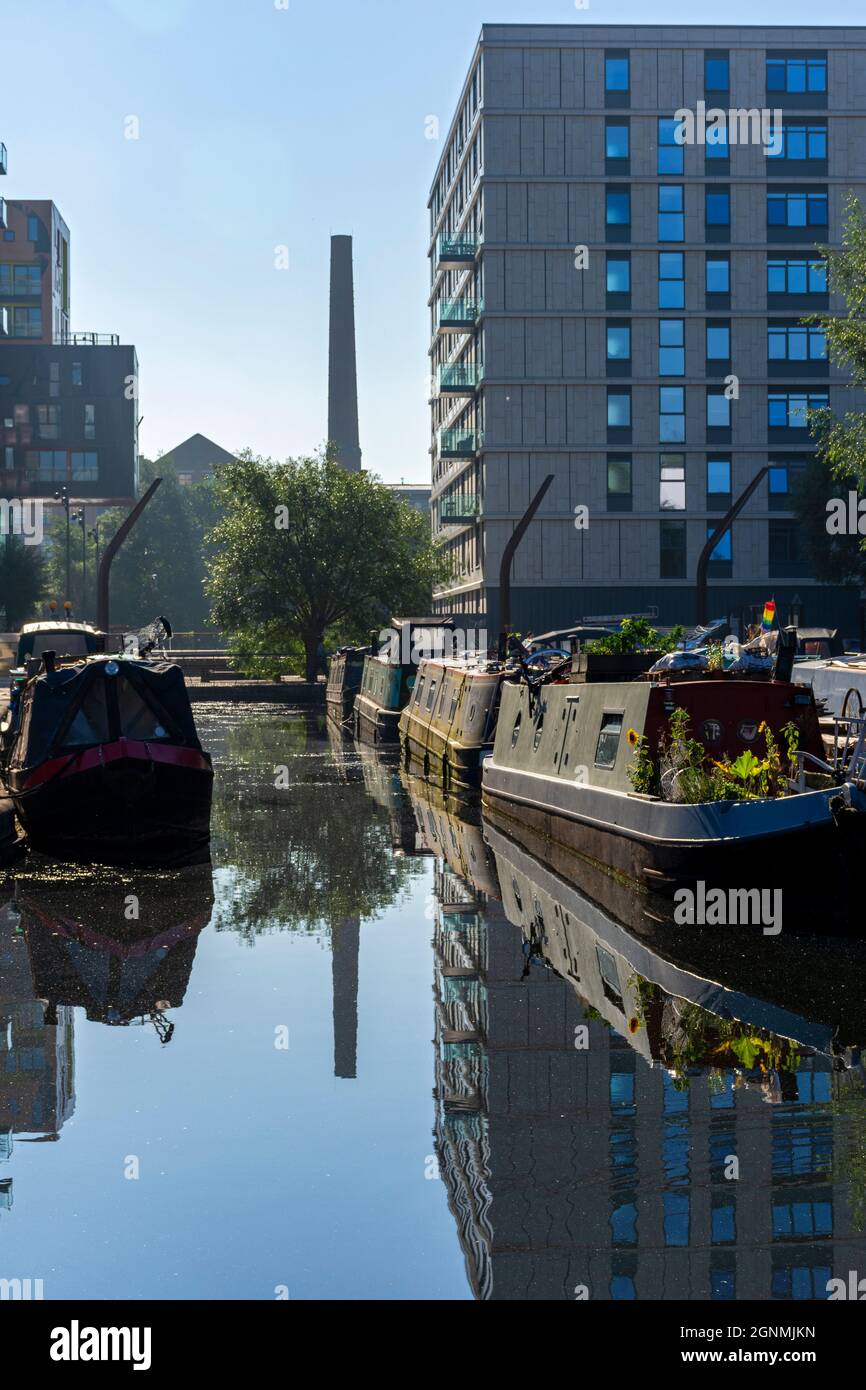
x,y
448,725
563,771
389,674
344,682
102,762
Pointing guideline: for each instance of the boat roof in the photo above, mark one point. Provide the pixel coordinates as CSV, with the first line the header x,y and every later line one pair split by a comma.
x,y
60,625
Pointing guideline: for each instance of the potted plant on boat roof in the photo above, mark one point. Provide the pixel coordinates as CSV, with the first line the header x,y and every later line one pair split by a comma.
x,y
625,654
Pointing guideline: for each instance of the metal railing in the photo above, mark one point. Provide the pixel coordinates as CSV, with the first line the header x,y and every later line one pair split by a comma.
x,y
459,443
459,312
457,246
459,508
90,339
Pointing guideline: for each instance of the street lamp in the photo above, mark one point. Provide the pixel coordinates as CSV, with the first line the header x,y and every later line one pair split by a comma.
x,y
62,496
80,517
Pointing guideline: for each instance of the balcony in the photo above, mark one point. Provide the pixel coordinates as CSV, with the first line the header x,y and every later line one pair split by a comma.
x,y
90,340
4,321
3,165
458,315
460,378
459,443
456,249
3,222
457,511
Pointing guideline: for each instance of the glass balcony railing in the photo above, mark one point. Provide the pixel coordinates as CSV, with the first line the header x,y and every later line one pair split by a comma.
x,y
457,248
458,315
3,165
461,377
2,212
459,508
459,443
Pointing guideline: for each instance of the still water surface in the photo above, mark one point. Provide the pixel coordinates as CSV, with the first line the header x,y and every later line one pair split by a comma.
x,y
381,1052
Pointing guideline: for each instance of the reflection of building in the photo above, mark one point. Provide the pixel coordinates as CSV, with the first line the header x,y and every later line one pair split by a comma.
x,y
37,1093
598,1167
345,947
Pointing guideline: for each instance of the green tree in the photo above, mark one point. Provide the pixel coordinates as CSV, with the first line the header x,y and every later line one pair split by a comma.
x,y
160,568
832,559
305,548
22,581
841,440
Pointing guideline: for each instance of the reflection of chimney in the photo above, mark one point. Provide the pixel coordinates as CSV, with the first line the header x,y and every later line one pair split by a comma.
x,y
345,942
342,377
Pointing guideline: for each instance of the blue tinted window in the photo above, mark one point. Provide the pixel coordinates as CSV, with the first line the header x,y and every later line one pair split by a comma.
x,y
618,209
619,410
716,74
718,342
718,410
616,74
722,550
718,476
616,142
618,343
718,209
718,276
671,222
618,275
670,154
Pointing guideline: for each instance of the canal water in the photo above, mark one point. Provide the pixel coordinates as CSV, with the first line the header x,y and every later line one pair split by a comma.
x,y
378,1050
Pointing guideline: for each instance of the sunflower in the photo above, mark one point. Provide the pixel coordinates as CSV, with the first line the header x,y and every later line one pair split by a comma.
x,y
762,726
633,737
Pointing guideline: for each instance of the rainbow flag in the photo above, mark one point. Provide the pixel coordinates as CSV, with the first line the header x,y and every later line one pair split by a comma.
x,y
769,614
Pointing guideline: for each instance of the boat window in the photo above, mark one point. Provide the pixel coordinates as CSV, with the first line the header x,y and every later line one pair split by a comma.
x,y
90,724
63,643
539,725
471,713
136,719
454,699
515,732
419,689
608,740
431,693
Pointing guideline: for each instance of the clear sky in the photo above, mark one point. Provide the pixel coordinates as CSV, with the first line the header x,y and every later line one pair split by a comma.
x,y
261,127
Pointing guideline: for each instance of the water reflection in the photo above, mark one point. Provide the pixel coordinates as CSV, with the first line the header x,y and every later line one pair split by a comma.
x,y
611,1122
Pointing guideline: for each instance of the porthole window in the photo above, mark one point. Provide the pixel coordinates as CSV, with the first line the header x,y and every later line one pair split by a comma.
x,y
608,740
539,725
515,732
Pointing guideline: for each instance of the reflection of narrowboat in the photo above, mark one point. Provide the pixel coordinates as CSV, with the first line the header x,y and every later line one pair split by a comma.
x,y
121,951
104,763
560,771
344,681
389,674
640,987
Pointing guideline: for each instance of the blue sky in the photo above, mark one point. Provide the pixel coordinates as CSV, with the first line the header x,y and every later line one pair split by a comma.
x,y
262,127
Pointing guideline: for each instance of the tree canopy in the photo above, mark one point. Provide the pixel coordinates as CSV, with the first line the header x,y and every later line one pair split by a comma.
x,y
841,439
305,548
22,581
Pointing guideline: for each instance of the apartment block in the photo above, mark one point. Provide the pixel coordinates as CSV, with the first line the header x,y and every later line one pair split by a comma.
x,y
625,312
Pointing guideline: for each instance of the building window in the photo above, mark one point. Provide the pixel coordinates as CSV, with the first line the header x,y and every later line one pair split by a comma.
x,y
718,483
796,342
797,74
21,416
783,550
90,422
46,465
672,549
718,275
672,415
54,378
721,552
796,277
670,154
718,411
716,72
790,409
799,142
618,203
9,458
616,140
671,218
618,275
800,209
48,419
718,341
20,279
33,229
619,482
672,483
616,75
717,145
76,374
672,290
84,466
783,481
618,410
718,207
26,323
672,353
618,342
